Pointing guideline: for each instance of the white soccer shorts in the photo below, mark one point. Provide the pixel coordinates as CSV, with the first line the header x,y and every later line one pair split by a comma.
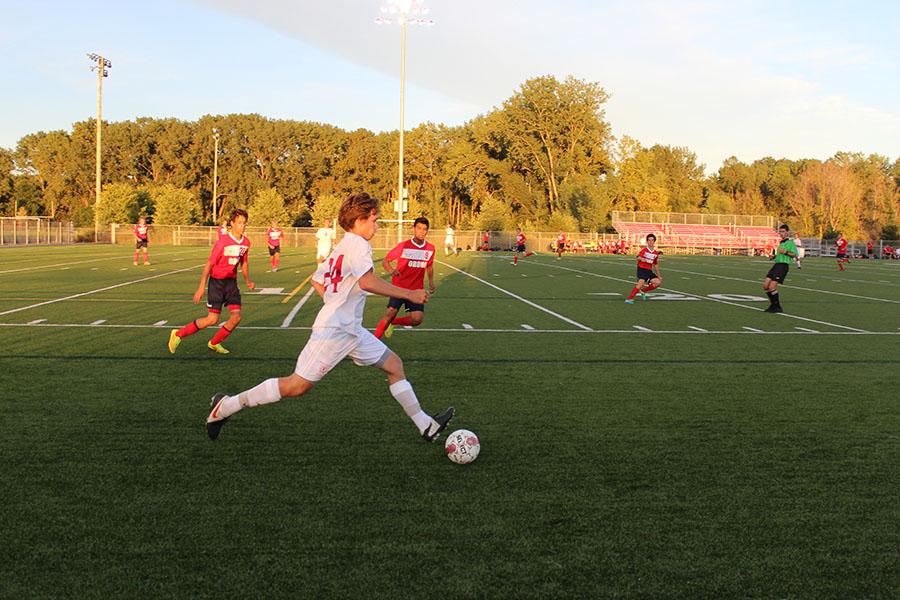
x,y
322,251
327,347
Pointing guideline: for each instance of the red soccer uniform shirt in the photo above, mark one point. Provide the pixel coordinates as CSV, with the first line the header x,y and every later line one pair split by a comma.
x,y
140,231
647,258
561,239
841,246
273,234
226,255
412,260
223,231
520,239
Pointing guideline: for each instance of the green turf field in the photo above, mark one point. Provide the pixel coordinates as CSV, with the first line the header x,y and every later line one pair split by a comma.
x,y
688,446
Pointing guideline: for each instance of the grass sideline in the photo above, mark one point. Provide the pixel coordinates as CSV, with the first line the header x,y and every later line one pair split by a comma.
x,y
757,458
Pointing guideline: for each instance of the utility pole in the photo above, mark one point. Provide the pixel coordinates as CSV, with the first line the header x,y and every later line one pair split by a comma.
x,y
215,197
101,67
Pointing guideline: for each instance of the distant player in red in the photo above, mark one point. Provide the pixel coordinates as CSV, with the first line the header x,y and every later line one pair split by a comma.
x,y
141,241
223,230
221,269
560,245
273,241
841,245
520,246
486,241
647,270
415,259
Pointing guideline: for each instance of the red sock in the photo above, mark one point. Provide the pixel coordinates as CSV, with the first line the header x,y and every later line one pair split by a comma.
x,y
633,293
400,321
516,260
136,253
648,288
221,334
277,260
840,265
527,254
189,329
382,325
146,256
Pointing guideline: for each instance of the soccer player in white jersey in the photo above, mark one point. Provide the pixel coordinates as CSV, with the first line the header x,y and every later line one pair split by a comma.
x,y
342,281
324,238
449,241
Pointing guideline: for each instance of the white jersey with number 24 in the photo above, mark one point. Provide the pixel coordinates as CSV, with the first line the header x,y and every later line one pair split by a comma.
x,y
340,274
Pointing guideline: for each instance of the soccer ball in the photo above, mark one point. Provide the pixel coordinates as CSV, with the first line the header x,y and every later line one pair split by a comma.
x,y
462,446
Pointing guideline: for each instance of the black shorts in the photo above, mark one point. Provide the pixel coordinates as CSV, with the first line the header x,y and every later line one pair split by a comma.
x,y
274,249
140,244
646,274
778,272
410,306
560,247
222,291
520,248
842,255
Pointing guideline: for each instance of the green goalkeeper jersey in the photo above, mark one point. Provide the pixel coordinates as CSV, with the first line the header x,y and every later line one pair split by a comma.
x,y
787,245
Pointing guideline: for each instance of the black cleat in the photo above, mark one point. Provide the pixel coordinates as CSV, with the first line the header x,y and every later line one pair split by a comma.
x,y
771,309
214,427
778,309
442,419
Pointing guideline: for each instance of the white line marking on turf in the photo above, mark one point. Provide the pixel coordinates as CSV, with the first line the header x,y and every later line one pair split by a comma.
x,y
604,294
629,281
700,329
753,329
109,287
160,323
36,321
287,320
453,330
99,322
639,328
467,326
77,262
807,330
528,327
520,298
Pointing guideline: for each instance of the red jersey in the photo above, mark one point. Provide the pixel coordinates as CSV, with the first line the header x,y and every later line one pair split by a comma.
x,y
520,239
226,255
647,258
561,238
841,244
140,231
273,236
412,261
486,237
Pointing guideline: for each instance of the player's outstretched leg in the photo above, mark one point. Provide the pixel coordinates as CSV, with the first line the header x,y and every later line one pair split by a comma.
x,y
267,392
429,427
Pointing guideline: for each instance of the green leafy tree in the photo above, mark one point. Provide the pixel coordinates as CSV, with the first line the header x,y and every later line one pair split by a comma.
x,y
268,206
494,215
172,205
119,203
6,178
325,210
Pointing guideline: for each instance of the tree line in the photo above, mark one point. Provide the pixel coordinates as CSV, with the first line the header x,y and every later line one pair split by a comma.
x,y
544,159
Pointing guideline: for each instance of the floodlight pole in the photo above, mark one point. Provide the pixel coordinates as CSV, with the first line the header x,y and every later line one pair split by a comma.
x,y
215,175
101,67
402,106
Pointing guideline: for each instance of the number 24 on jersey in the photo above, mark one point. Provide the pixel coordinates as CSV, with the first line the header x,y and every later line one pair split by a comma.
x,y
334,276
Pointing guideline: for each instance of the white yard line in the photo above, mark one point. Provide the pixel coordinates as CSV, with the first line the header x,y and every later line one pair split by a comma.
x,y
79,262
160,323
520,298
290,317
110,287
639,328
99,322
697,328
807,330
470,329
753,329
629,281
528,327
467,327
36,321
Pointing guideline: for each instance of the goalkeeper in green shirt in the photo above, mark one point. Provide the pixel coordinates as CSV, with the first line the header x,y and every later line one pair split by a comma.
x,y
784,254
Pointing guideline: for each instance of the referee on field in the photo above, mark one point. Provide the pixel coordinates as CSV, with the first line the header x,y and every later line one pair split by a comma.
x,y
785,253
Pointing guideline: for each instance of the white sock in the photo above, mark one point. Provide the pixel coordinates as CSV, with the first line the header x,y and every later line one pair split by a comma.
x,y
403,393
264,393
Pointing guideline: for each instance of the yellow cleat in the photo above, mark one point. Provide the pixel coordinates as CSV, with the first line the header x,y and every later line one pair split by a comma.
x,y
217,348
389,331
174,340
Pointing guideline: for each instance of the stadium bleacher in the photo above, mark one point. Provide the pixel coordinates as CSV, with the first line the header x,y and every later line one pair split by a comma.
x,y
695,235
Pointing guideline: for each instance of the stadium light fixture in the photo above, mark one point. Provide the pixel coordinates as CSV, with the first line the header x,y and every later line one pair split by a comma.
x,y
403,13
102,66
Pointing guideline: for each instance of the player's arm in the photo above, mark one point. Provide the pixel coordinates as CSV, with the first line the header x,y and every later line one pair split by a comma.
x,y
245,270
198,295
393,255
370,283
320,289
789,250
429,270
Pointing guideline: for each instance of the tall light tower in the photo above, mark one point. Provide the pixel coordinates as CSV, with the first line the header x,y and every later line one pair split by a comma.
x,y
403,13
215,174
102,65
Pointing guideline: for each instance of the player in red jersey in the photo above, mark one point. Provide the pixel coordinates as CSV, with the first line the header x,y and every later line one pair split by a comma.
x,y
221,269
520,246
273,241
141,241
486,241
841,245
560,245
647,270
415,259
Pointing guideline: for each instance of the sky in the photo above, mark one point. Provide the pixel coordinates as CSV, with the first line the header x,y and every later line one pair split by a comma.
x,y
793,79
